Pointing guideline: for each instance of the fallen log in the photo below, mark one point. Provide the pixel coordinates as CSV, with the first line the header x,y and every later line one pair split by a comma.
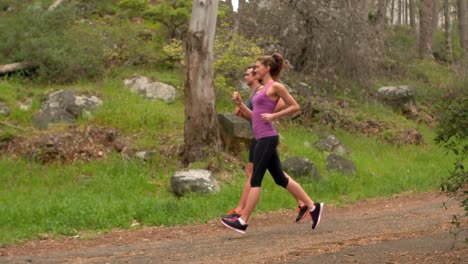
x,y
17,66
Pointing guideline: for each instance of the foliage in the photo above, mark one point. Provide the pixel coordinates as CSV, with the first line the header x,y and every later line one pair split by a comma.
x,y
438,45
452,134
174,52
48,39
233,54
173,15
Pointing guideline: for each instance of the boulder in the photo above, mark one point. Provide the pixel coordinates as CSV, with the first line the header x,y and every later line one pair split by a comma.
x,y
4,109
64,106
336,162
331,144
301,167
193,181
234,131
401,98
150,89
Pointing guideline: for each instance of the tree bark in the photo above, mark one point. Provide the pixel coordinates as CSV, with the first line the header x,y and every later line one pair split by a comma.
x,y
201,134
425,28
435,15
412,12
463,23
400,12
381,14
448,34
392,12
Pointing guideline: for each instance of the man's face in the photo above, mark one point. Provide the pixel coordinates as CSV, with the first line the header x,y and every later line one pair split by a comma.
x,y
249,77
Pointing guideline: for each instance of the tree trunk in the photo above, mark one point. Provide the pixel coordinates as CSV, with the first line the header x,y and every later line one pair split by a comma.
x,y
463,23
201,135
435,15
400,12
448,34
425,28
392,13
405,12
16,67
381,14
412,15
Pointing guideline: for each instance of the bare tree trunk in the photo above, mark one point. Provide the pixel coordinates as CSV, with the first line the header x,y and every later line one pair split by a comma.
x,y
412,15
16,67
405,13
399,12
201,135
463,23
229,3
381,14
392,12
425,28
435,14
448,34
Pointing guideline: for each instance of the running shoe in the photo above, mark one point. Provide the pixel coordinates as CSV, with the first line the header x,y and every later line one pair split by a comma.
x,y
234,224
316,214
301,212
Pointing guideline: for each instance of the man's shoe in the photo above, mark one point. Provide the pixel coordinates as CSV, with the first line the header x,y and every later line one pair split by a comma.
x,y
234,224
316,214
301,212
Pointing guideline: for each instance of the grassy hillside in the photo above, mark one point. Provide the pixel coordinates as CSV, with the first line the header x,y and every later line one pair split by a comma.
x,y
117,191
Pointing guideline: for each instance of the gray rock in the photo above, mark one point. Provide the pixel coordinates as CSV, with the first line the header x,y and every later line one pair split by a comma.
x,y
146,154
234,131
150,89
193,181
331,144
301,167
4,109
337,163
401,98
64,106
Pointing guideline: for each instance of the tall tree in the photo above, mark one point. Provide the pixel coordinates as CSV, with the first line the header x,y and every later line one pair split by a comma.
x,y
381,14
392,12
435,14
463,23
412,12
425,28
400,12
448,34
201,134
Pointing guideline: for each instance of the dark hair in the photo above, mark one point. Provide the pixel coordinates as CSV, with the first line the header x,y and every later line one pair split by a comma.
x,y
253,69
276,63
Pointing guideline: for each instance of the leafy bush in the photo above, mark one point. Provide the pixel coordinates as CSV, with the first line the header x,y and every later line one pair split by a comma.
x,y
173,15
233,54
452,134
48,39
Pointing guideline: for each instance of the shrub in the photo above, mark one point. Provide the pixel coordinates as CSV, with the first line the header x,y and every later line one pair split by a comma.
x,y
452,134
49,39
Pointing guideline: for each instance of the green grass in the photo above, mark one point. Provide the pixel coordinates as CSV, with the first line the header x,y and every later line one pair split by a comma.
x,y
60,199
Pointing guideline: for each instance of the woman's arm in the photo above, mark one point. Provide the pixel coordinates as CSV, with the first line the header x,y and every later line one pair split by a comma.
x,y
280,92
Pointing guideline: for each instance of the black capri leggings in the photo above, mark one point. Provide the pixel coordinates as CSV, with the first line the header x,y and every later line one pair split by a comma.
x,y
266,157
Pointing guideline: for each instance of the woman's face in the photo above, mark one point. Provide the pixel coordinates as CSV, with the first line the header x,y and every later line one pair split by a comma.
x,y
260,70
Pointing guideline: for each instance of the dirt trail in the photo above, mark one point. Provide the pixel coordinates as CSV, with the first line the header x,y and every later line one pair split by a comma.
x,y
406,228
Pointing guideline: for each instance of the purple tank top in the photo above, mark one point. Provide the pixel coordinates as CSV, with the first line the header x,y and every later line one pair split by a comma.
x,y
263,104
